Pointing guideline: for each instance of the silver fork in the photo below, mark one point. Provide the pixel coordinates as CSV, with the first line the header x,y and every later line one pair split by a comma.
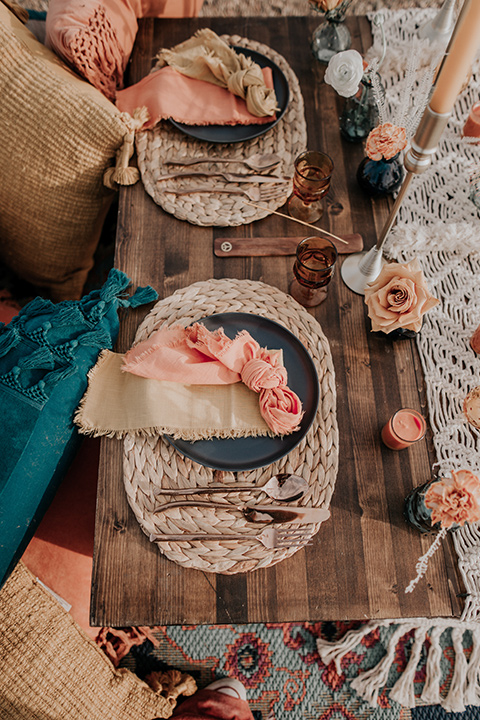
x,y
270,537
255,193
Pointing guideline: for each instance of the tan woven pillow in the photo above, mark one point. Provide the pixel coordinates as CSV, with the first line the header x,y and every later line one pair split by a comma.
x,y
58,135
51,669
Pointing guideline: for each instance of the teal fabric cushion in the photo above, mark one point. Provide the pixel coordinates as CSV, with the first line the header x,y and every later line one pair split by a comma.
x,y
46,352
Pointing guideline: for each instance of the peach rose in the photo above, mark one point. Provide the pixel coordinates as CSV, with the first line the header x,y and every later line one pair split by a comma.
x,y
385,141
398,298
454,500
326,5
471,407
281,409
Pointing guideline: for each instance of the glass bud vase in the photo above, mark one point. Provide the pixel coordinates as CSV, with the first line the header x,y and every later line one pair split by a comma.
x,y
332,36
416,512
360,113
380,177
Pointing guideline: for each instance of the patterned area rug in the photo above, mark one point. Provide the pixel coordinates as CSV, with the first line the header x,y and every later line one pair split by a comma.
x,y
281,668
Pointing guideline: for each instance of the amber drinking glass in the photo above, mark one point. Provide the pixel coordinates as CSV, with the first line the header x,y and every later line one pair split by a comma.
x,y
313,269
311,181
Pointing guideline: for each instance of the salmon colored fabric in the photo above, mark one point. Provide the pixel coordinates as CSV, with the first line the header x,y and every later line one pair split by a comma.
x,y
166,93
96,38
212,705
197,356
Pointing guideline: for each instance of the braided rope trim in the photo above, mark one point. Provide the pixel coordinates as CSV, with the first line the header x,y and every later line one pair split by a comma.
x,y
288,138
151,462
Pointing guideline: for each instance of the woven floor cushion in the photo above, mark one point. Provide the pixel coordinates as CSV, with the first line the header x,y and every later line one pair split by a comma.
x,y
59,135
51,669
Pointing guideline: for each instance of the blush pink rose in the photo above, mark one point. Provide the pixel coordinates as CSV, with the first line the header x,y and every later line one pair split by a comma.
x,y
398,298
385,141
281,409
326,5
454,500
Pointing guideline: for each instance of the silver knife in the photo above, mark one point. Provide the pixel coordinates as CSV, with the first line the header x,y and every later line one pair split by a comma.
x,y
230,177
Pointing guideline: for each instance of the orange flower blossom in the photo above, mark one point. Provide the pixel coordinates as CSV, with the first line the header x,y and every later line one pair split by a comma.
x,y
385,141
326,5
454,500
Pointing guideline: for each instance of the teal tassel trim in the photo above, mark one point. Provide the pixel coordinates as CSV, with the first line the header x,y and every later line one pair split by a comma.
x,y
116,282
61,373
41,359
141,296
100,338
9,338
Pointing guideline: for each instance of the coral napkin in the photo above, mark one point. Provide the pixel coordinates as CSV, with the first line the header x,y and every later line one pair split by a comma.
x,y
191,383
167,93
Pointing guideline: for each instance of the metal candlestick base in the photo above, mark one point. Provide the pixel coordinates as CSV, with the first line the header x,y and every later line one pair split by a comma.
x,y
361,268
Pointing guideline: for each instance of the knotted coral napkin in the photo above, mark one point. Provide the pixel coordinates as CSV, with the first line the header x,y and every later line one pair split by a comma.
x,y
192,384
166,93
207,57
203,81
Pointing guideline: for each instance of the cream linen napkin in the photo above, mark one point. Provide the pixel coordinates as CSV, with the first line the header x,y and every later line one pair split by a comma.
x,y
117,402
207,57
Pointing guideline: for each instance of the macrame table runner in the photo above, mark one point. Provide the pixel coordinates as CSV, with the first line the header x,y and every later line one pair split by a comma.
x,y
288,138
439,225
151,462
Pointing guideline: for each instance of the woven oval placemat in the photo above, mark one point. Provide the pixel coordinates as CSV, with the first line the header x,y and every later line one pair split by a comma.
x,y
288,138
151,462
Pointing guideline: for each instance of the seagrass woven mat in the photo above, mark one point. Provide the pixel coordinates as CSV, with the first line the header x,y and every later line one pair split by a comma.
x,y
151,462
288,138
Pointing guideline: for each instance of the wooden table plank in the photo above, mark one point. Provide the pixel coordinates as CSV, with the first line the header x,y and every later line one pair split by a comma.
x,y
363,558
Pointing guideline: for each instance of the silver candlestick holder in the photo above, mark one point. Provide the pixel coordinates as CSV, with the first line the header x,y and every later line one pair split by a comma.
x,y
362,268
440,28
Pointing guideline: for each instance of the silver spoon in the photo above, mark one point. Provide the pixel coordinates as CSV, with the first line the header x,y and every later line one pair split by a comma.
x,y
283,487
258,161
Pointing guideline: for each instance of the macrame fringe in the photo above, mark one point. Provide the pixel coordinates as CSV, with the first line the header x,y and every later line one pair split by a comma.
x,y
122,174
431,688
455,700
465,683
369,683
403,691
335,652
472,690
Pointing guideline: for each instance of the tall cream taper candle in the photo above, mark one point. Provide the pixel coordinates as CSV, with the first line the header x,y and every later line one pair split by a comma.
x,y
458,62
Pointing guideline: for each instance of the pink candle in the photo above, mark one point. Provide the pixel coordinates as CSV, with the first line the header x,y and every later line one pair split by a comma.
x,y
472,126
458,62
404,428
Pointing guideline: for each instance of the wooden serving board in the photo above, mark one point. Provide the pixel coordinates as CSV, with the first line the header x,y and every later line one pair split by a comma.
x,y
268,246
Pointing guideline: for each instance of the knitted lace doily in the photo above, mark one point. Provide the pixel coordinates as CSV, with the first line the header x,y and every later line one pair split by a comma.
x,y
151,462
288,138
438,224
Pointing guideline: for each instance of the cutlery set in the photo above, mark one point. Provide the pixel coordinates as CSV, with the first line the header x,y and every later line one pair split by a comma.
x,y
278,186
279,487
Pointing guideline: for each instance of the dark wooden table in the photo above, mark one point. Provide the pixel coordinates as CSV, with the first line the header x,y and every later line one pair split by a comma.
x,y
364,556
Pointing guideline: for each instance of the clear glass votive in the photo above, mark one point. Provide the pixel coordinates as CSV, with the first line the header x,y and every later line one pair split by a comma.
x,y
313,270
404,428
311,182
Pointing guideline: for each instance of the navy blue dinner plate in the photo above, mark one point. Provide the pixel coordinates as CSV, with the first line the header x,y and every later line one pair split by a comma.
x,y
238,133
242,454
